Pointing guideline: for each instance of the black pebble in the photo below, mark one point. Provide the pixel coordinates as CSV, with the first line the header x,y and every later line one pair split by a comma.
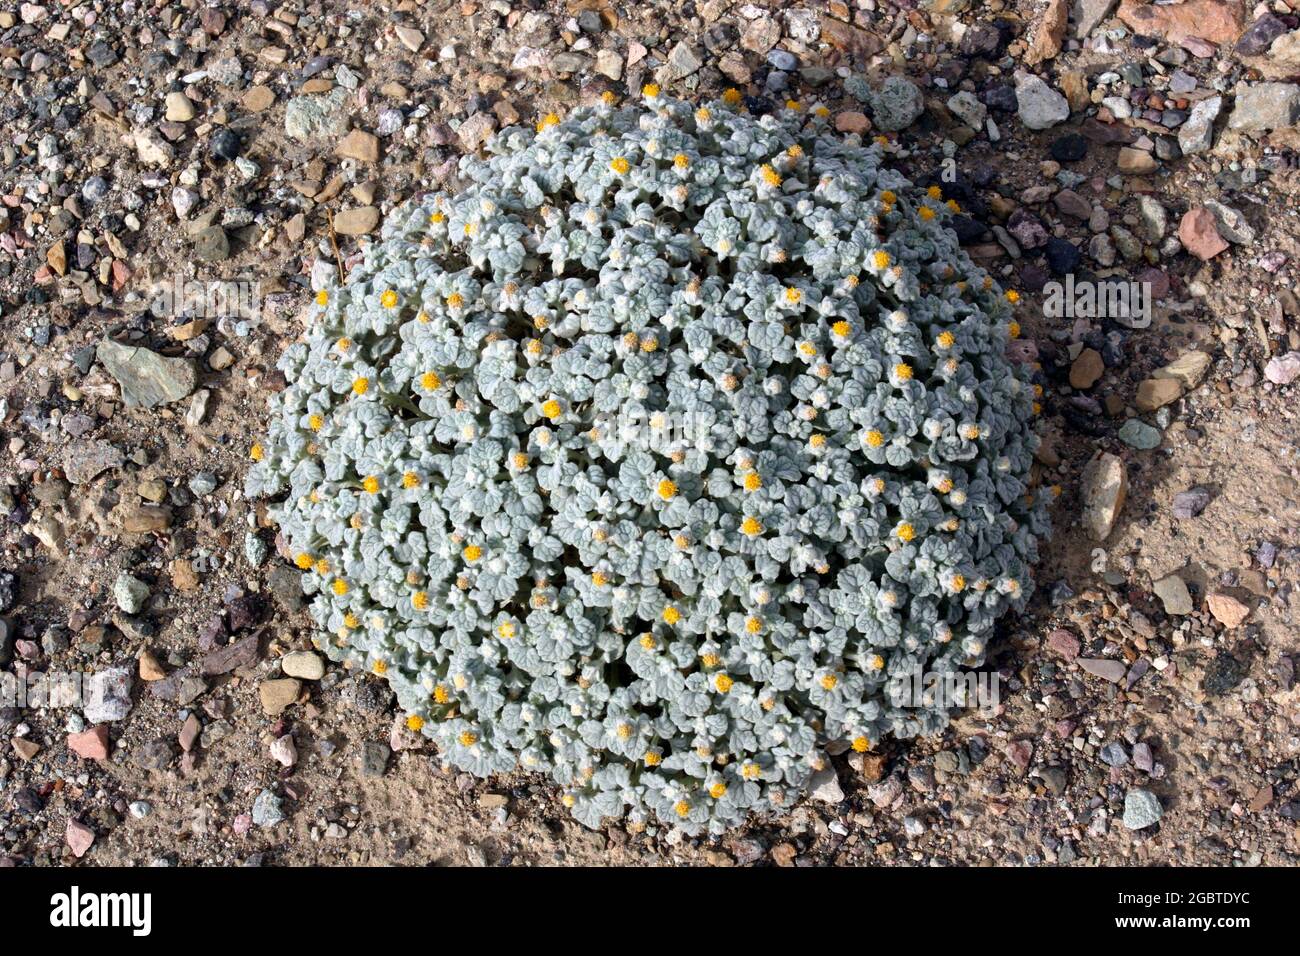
x,y
1069,148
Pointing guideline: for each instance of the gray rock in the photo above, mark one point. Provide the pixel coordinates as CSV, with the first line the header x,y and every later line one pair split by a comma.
x,y
1173,594
316,117
268,809
896,104
1230,223
1038,105
1089,14
1266,106
1196,135
1139,434
1141,809
255,549
1152,217
83,461
108,695
1104,488
683,60
1104,668
146,378
374,758
967,108
130,593
1190,503
212,245
825,786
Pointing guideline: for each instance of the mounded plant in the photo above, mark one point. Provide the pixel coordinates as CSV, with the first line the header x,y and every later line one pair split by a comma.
x,y
649,458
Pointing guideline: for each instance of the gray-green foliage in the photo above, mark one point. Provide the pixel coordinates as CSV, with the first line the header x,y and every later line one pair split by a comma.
x,y
826,484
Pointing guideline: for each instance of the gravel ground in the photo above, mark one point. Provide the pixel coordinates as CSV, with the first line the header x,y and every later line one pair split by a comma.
x,y
1149,710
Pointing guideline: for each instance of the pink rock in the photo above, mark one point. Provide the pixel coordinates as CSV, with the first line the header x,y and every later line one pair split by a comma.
x,y
80,838
1218,21
1199,235
1283,369
852,121
1064,643
91,744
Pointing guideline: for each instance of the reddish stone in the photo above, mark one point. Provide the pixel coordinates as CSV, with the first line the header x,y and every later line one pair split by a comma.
x,y
1199,235
1218,21
80,838
91,744
1064,643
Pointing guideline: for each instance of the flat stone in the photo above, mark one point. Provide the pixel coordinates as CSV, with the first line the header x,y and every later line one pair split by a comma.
x,y
359,145
1190,503
1266,106
278,695
305,665
683,60
1089,14
80,838
1104,668
1136,162
1188,369
410,38
83,461
308,118
1218,21
90,744
146,378
179,108
1086,369
130,593
357,221
1138,434
1173,594
825,786
476,130
108,695
1037,104
1104,487
1153,393
1199,234
223,660
897,104
1283,369
1227,610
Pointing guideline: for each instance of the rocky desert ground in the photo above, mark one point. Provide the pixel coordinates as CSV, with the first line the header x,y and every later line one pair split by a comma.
x,y
1149,712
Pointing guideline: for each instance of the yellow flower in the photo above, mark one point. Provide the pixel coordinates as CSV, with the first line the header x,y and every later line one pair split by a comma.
x,y
256,452
467,739
666,489
647,642
671,615
861,745
681,161
415,723
1013,329
410,480
822,111
946,340
321,567
315,422
471,228
653,758
753,625
881,259
710,660
371,484
550,119
842,329
807,349
505,630
731,96
829,682
436,217
350,621
681,542
624,731
970,432
620,165
551,409
793,105
682,808
751,526
795,151
339,587
303,560
926,213
874,438
953,205
723,683
753,481
905,532
888,197
344,344
440,694
703,114
608,97
903,372
650,90
389,299
877,663
472,553
718,791
361,385
649,344
793,295
380,667
958,583
322,298
599,578
1012,296
751,770
519,460
430,381
420,600
770,175
934,192
817,441
455,300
